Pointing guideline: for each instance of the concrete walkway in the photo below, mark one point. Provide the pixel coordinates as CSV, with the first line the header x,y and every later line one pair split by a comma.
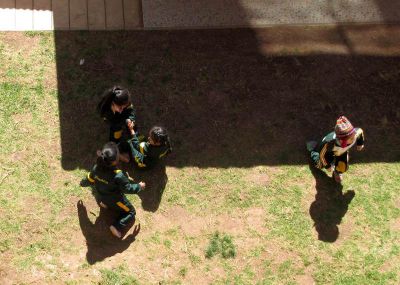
x,y
170,14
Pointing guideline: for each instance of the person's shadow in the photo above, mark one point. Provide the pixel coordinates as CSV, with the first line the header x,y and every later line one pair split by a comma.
x,y
330,205
156,180
99,240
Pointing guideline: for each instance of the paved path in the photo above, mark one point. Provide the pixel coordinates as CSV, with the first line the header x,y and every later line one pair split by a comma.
x,y
167,14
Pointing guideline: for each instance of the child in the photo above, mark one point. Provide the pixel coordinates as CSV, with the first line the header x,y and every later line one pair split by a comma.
x,y
332,152
115,107
146,154
111,184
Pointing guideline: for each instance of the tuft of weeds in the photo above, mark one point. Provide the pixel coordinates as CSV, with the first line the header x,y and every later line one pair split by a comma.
x,y
228,249
183,271
222,244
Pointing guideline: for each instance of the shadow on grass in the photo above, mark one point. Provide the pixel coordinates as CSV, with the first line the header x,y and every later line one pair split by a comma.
x,y
232,98
99,240
156,179
330,205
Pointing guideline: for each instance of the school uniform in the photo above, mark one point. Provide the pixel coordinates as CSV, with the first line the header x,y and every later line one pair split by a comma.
x,y
330,152
144,154
117,122
111,186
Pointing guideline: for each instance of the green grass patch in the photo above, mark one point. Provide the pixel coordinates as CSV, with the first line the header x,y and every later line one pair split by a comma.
x,y
221,244
117,276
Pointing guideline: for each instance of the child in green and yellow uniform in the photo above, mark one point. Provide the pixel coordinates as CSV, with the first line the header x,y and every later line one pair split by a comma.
x,y
146,154
111,184
332,152
116,108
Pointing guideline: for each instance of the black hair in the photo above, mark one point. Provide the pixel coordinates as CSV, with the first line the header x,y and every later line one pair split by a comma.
x,y
116,94
108,155
160,135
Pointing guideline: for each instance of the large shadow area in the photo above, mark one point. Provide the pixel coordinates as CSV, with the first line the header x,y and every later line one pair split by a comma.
x,y
230,98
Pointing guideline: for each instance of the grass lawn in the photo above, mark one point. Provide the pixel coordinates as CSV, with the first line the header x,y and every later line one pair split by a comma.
x,y
236,203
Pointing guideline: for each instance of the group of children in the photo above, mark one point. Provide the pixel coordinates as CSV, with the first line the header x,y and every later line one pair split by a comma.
x,y
124,145
110,182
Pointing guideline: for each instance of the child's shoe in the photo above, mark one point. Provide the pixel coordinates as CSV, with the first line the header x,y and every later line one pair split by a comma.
x,y
338,177
115,232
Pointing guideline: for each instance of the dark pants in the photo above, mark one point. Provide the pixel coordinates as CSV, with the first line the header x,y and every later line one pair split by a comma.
x,y
122,206
116,133
119,132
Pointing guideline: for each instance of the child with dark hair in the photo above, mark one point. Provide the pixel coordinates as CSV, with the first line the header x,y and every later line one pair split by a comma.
x,y
146,154
332,152
111,184
116,108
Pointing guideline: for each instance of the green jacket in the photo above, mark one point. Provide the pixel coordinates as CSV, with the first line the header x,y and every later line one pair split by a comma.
x,y
111,181
329,147
145,154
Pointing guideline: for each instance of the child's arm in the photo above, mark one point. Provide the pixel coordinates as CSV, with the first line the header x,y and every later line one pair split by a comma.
x,y
360,139
90,175
130,117
126,186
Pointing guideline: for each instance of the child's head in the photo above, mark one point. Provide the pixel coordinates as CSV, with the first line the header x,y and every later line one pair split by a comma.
x,y
344,131
158,136
109,155
117,98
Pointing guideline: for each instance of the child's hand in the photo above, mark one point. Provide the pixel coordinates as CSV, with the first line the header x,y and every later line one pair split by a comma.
x,y
360,147
142,185
130,124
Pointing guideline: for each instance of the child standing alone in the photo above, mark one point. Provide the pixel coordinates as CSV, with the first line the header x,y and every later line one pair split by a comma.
x,y
111,184
332,152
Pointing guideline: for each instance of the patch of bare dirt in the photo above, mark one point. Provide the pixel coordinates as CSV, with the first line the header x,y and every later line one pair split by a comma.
x,y
50,81
17,41
305,280
261,179
18,156
8,275
346,229
179,217
23,122
157,263
255,220
395,225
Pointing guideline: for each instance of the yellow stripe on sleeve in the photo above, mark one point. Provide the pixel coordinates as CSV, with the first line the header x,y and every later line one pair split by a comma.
x,y
141,147
122,206
322,155
139,163
163,154
90,178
